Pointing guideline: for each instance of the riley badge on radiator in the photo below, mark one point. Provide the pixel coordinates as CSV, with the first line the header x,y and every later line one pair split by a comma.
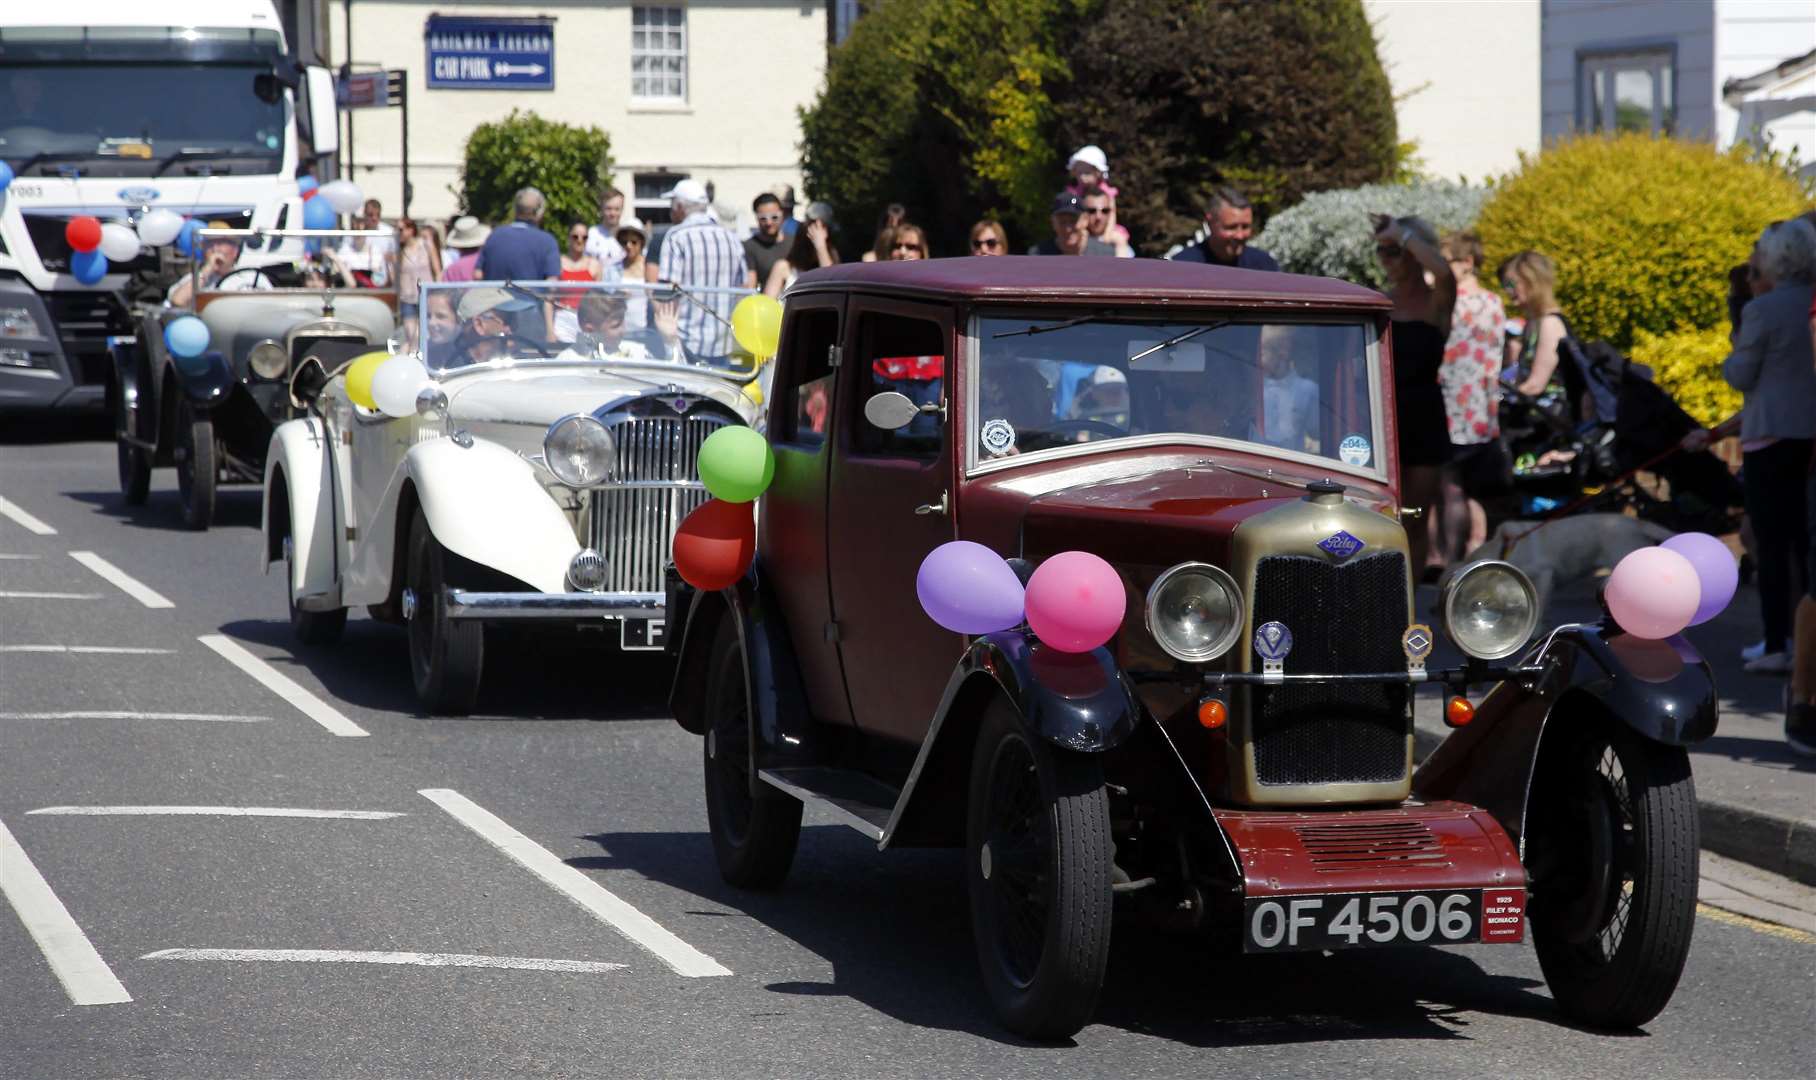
x,y
1340,545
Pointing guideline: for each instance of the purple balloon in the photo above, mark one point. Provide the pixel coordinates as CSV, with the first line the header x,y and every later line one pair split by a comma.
x,y
969,589
1716,571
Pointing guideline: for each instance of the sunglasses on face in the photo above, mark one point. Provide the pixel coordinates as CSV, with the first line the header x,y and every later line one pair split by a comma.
x,y
906,247
990,242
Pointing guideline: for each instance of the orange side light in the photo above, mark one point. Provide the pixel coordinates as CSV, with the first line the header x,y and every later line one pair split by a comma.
x,y
1212,713
1458,711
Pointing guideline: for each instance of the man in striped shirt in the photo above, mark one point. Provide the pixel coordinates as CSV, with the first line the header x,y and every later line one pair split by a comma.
x,y
700,253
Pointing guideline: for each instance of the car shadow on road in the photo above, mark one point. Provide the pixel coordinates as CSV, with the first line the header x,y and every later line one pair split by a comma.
x,y
1771,753
235,507
529,674
33,429
895,928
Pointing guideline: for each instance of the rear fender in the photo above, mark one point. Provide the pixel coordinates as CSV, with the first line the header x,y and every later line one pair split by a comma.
x,y
299,504
1663,690
485,503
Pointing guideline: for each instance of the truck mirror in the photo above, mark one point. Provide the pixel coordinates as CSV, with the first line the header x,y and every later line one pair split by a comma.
x,y
324,128
890,410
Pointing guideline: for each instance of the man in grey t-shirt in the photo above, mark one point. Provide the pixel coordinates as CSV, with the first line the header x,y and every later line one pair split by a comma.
x,y
1070,237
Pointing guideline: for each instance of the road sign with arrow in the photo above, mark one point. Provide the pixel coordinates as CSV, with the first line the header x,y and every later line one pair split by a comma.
x,y
467,53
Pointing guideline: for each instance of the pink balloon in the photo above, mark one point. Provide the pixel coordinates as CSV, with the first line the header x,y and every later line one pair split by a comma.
x,y
1653,593
1075,602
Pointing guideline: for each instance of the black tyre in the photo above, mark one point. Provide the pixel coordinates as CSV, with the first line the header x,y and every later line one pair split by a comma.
x,y
1038,872
197,467
310,627
135,473
1614,859
754,836
446,656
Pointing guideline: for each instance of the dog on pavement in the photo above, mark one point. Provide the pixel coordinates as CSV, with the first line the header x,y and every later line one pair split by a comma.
x,y
1569,549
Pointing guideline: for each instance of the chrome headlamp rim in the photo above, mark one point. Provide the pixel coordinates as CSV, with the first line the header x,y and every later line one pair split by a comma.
x,y
1450,586
1222,579
268,360
556,463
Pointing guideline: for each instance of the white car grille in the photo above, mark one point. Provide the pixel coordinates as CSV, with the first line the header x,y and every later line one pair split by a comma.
x,y
634,522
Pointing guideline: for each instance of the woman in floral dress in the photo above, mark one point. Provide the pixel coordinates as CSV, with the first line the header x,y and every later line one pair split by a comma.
x,y
1469,376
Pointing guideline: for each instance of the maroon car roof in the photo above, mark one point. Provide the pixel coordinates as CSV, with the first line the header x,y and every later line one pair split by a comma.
x,y
1123,281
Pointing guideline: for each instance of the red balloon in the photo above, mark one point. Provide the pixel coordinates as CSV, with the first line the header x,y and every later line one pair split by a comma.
x,y
715,543
83,233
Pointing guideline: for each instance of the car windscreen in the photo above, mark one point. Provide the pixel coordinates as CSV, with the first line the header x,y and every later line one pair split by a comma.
x,y
139,118
1046,383
488,322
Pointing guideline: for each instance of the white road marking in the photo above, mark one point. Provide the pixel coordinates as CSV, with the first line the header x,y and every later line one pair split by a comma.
x,y
410,959
117,714
50,596
103,650
215,811
10,509
589,894
6,557
283,686
121,580
86,978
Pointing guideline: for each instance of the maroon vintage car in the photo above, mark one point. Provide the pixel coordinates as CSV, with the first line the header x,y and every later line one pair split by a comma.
x,y
1238,759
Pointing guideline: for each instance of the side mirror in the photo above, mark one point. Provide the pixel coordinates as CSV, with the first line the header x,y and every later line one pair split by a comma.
x,y
324,122
890,410
306,384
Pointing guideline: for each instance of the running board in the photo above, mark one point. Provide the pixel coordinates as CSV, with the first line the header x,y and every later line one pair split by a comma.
x,y
863,801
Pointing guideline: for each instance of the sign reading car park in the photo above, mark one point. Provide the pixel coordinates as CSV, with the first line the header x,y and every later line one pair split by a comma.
x,y
489,53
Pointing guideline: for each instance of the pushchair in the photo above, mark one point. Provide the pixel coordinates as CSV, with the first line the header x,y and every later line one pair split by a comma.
x,y
1583,446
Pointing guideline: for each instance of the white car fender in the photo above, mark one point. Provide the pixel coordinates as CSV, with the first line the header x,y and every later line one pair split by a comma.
x,y
298,454
484,503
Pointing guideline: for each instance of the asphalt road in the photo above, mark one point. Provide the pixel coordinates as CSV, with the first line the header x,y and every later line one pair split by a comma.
x,y
860,966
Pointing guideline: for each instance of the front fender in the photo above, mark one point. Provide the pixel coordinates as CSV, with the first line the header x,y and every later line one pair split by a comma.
x,y
484,503
298,504
206,379
1661,689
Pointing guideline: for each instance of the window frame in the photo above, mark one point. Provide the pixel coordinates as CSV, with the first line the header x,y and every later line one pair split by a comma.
x,y
1657,57
648,53
856,378
783,400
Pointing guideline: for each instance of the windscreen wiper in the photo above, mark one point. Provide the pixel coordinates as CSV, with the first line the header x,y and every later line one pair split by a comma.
x,y
1032,330
43,156
1179,339
164,163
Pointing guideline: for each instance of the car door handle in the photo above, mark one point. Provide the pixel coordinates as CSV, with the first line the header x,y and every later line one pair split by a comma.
x,y
933,508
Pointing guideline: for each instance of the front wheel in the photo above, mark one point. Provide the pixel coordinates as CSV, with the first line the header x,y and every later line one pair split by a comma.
x,y
1614,858
754,835
310,627
197,468
1038,873
135,472
446,655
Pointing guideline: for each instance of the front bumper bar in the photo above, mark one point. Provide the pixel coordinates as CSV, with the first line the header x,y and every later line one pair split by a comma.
x,y
515,606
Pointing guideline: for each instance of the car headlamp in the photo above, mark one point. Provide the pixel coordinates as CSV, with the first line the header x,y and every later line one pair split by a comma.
x,y
579,451
1194,612
1488,608
268,360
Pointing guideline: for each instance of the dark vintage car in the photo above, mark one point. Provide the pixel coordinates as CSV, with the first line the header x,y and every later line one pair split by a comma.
x,y
1238,759
211,415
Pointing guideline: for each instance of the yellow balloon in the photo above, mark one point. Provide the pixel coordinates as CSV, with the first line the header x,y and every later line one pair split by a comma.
x,y
757,324
359,378
754,393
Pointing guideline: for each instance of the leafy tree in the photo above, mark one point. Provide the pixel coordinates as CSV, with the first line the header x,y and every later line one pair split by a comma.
x,y
570,165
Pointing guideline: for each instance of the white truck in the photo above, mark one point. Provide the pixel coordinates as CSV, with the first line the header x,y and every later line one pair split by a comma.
x,y
110,108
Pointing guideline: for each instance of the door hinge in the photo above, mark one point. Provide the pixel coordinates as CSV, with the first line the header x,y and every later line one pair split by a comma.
x,y
832,630
834,354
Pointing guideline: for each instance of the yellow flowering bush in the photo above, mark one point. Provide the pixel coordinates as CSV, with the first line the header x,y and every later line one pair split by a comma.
x,y
1687,363
1643,230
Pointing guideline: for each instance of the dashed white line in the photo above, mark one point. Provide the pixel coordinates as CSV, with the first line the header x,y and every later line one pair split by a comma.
x,y
215,811
122,714
101,650
283,686
50,596
589,894
121,580
4,557
409,959
10,509
86,978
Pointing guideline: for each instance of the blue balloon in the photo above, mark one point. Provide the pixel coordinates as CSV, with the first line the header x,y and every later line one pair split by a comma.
x,y
186,336
88,266
186,238
6,175
305,184
317,214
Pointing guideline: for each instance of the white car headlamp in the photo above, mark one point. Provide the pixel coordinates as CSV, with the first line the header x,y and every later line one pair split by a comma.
x,y
268,360
1194,612
1488,608
579,451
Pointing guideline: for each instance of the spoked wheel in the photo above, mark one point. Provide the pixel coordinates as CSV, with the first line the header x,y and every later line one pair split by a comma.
x,y
1614,855
310,627
445,655
1038,872
196,466
754,836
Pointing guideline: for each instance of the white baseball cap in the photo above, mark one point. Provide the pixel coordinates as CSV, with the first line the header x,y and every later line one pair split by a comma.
x,y
692,191
1091,155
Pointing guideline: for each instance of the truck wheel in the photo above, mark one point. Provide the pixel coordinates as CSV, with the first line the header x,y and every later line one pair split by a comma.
x,y
310,627
754,836
445,655
135,473
1038,872
196,466
1614,850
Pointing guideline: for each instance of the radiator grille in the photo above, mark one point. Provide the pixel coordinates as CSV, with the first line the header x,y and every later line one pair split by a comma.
x,y
1344,618
1380,844
634,526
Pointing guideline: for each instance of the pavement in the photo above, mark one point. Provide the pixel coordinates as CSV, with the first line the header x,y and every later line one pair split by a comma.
x,y
1757,796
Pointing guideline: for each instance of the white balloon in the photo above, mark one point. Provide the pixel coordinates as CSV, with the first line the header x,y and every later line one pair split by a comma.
x,y
119,243
396,383
159,227
343,195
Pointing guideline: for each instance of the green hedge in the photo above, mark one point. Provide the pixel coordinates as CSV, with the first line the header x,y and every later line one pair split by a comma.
x,y
570,165
1329,234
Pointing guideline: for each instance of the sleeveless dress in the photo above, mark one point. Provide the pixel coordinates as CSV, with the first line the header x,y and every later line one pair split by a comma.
x,y
1424,431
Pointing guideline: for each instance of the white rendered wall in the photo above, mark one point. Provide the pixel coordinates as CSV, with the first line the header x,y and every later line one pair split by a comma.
x,y
1754,36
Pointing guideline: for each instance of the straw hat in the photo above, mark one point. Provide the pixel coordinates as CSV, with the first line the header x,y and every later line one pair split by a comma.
x,y
468,232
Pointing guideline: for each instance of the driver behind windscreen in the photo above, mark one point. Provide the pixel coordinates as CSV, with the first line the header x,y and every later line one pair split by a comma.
x,y
1012,391
216,272
1200,402
485,327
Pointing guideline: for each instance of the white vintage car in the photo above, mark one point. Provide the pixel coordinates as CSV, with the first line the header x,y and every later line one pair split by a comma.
x,y
551,455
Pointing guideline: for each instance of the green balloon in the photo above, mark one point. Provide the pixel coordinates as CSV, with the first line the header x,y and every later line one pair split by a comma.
x,y
736,464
